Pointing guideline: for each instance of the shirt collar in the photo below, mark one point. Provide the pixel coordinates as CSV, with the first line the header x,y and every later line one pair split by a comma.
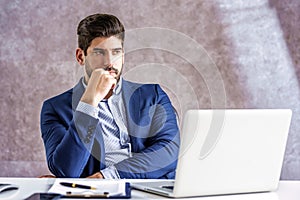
x,y
116,90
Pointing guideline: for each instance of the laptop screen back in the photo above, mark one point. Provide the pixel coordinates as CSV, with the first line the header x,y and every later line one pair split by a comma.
x,y
231,151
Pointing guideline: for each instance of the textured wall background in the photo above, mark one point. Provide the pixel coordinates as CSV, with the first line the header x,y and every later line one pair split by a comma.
x,y
254,44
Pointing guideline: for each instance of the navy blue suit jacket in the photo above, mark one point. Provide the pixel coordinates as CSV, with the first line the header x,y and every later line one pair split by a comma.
x,y
74,144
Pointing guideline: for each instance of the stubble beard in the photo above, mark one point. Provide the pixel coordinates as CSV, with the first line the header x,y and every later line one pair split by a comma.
x,y
89,71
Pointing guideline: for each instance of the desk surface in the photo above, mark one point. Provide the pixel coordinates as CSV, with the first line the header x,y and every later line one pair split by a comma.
x,y
288,190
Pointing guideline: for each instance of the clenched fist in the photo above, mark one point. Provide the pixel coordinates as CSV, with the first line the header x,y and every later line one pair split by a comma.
x,y
100,86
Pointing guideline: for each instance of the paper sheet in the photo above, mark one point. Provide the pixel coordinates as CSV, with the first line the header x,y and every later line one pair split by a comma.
x,y
111,187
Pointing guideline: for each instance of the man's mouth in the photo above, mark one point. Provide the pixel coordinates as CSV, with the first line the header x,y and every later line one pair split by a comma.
x,y
112,70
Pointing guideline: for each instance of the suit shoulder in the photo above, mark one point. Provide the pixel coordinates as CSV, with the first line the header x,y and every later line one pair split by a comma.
x,y
65,96
140,85
144,91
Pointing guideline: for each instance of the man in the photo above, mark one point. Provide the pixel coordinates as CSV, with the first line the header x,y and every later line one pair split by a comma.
x,y
106,127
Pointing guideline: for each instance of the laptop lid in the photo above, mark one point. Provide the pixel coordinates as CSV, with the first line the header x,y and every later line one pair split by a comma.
x,y
228,151
231,151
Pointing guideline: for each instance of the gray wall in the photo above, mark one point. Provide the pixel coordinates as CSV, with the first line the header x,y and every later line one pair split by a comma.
x,y
247,49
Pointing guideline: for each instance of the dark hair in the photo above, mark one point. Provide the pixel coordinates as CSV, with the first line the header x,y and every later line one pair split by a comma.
x,y
98,25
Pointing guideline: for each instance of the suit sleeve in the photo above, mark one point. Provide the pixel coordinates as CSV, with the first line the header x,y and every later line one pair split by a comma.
x,y
68,143
158,157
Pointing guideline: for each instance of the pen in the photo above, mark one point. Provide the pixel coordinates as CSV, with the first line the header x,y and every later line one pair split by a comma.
x,y
74,185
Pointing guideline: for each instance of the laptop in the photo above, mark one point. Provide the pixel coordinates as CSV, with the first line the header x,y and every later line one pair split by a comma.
x,y
229,151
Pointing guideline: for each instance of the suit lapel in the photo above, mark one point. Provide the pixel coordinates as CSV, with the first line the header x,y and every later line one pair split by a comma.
x,y
131,100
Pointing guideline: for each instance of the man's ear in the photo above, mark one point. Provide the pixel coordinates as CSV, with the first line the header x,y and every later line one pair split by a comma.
x,y
80,56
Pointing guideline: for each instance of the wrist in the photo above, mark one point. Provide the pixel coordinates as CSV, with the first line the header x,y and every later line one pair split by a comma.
x,y
96,175
90,101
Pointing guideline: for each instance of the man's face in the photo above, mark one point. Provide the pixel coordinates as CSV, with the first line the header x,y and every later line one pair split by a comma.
x,y
105,53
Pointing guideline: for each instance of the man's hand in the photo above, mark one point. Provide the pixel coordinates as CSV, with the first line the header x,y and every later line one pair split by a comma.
x,y
99,85
96,175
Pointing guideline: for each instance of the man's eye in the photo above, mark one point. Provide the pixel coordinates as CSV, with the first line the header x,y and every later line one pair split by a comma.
x,y
116,52
98,53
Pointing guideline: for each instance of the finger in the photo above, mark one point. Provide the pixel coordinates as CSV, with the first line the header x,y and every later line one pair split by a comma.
x,y
107,78
114,83
100,71
96,175
110,81
97,75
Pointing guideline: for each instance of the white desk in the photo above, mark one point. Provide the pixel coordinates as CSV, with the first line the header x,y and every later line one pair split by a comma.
x,y
288,190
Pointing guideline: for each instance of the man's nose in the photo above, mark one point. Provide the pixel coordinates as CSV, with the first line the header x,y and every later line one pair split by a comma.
x,y
108,60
